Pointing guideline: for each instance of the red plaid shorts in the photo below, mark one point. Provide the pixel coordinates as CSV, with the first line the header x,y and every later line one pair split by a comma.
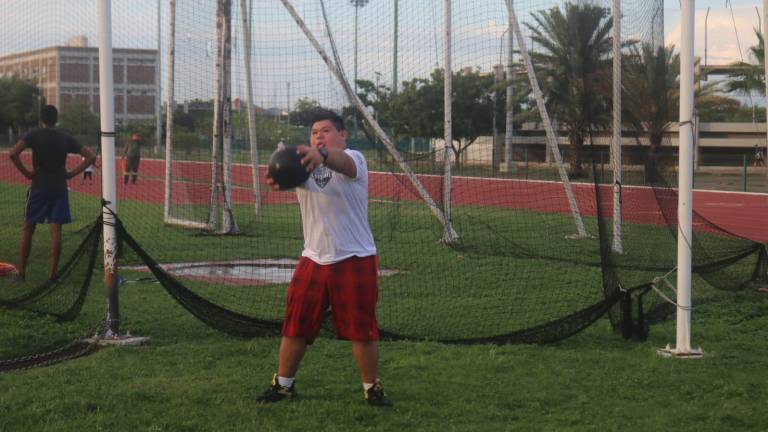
x,y
351,289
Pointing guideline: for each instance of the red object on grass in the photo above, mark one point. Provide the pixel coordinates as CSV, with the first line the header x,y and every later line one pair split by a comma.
x,y
6,268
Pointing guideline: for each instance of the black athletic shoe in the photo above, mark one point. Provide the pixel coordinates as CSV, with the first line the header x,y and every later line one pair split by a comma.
x,y
375,395
276,392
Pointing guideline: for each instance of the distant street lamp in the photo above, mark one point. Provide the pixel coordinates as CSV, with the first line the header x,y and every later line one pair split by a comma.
x,y
376,112
357,4
394,51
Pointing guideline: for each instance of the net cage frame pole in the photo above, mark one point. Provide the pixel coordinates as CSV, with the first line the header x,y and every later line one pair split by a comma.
x,y
377,130
252,140
682,347
550,131
158,79
169,109
215,129
509,131
219,78
228,224
447,120
170,103
765,81
616,245
109,181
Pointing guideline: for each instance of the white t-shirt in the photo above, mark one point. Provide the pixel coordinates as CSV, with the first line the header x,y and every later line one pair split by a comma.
x,y
334,214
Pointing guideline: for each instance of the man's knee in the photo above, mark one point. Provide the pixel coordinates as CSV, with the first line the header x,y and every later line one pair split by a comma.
x,y
29,227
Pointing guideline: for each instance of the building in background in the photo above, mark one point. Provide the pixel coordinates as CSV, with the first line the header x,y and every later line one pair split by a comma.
x,y
70,74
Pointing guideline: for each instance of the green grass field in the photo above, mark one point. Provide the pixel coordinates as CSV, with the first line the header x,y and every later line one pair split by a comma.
x,y
192,378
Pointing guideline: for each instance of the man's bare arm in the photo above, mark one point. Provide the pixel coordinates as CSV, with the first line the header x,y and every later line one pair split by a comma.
x,y
338,160
15,156
89,157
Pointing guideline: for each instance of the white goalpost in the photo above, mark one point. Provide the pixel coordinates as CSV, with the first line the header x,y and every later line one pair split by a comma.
x,y
221,135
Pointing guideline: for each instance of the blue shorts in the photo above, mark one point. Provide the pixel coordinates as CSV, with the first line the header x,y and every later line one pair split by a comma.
x,y
47,206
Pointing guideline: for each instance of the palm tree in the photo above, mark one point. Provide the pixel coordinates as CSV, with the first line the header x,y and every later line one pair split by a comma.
x,y
575,70
649,79
651,95
748,77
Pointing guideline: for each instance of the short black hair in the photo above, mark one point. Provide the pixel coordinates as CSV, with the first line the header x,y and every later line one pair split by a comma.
x,y
49,115
334,118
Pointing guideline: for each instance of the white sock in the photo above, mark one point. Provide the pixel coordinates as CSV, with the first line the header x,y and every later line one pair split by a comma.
x,y
366,386
285,382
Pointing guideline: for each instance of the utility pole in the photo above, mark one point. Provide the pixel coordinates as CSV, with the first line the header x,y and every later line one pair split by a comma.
x,y
394,52
357,4
706,17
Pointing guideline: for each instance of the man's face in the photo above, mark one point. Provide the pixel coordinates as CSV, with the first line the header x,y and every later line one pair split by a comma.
x,y
324,134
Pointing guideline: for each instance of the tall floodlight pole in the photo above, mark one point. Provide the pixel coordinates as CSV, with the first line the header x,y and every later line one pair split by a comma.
x,y
685,182
394,49
357,4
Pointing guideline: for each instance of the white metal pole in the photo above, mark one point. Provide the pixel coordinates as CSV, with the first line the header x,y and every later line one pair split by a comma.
x,y
616,142
228,224
765,74
685,178
448,123
170,106
108,184
246,23
685,181
158,87
510,108
218,121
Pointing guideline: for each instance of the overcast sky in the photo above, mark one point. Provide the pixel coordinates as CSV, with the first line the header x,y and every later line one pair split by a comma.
x,y
725,31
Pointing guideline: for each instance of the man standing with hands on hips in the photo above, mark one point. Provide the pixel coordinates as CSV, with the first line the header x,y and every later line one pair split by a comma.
x,y
48,196
338,266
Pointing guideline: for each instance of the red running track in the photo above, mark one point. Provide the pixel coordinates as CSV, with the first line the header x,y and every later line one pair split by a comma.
x,y
743,214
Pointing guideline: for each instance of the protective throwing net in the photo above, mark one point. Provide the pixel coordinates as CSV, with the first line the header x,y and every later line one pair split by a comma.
x,y
528,254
